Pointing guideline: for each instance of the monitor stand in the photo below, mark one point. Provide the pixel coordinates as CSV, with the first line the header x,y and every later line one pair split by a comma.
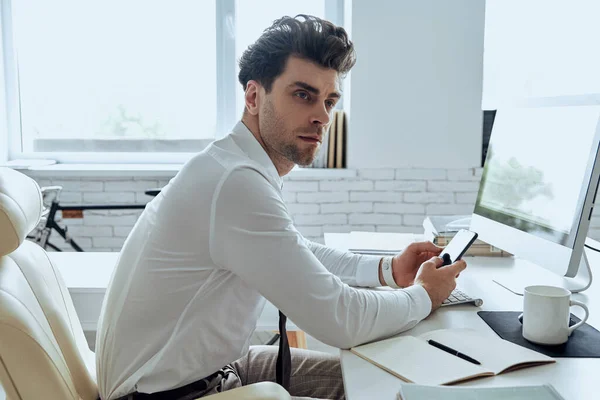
x,y
583,279
536,275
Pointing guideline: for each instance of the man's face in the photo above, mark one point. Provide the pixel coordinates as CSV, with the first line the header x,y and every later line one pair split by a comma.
x,y
295,115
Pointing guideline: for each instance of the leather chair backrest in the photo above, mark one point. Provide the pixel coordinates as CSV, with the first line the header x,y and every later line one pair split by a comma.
x,y
50,321
32,364
21,206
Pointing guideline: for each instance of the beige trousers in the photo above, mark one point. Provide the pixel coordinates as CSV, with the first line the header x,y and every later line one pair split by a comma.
x,y
315,375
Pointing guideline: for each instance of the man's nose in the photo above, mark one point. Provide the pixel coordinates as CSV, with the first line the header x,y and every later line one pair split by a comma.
x,y
322,116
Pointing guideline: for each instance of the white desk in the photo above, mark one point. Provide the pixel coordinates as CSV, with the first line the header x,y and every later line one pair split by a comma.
x,y
87,276
574,378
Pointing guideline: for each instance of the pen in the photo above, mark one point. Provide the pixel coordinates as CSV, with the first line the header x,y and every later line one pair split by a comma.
x,y
453,352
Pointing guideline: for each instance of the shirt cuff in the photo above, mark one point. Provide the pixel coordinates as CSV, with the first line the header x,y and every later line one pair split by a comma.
x,y
367,271
421,301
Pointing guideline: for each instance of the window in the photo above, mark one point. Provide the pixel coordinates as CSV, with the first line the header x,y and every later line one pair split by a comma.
x,y
126,79
540,48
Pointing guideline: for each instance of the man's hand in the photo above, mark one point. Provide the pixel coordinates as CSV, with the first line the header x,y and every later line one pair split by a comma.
x,y
406,264
439,281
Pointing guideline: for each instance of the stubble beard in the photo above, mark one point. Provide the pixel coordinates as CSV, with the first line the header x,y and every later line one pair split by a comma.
x,y
272,126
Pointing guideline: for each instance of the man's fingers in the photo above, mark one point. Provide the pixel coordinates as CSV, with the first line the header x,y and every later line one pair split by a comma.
x,y
422,247
434,262
456,268
425,256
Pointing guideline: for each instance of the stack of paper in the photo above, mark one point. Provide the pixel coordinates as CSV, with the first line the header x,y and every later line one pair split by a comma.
x,y
380,243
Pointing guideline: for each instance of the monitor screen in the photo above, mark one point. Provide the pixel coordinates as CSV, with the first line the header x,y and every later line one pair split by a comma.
x,y
536,167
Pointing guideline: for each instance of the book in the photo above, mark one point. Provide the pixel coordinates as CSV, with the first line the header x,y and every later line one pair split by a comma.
x,y
326,156
341,139
441,229
531,392
414,360
331,140
323,153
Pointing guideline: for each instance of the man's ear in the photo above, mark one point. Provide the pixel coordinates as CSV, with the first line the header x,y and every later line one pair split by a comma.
x,y
253,97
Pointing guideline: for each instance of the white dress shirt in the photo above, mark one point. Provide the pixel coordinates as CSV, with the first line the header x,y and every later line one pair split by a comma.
x,y
193,275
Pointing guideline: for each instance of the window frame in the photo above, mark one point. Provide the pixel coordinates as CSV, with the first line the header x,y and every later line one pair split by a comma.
x,y
335,11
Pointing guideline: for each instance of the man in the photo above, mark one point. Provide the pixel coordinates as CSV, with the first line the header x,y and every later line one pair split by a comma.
x,y
194,273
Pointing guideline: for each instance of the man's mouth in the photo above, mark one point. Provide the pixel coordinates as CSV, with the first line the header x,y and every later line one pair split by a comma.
x,y
311,139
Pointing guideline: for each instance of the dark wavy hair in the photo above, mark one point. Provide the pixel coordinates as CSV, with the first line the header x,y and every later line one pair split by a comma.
x,y
304,36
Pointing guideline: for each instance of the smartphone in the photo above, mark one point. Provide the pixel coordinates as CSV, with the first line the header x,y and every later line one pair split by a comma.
x,y
458,246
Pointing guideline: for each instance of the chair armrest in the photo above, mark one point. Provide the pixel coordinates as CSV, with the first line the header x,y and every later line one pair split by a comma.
x,y
256,391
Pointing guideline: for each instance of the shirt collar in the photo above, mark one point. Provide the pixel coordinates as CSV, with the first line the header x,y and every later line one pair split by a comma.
x,y
248,143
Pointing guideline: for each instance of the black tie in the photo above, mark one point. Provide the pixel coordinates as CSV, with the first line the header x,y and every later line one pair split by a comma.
x,y
284,358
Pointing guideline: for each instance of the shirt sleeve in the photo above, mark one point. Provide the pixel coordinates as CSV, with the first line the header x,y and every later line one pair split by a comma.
x,y
252,235
352,269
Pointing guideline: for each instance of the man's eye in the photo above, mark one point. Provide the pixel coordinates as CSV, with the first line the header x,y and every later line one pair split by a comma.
x,y
303,95
330,103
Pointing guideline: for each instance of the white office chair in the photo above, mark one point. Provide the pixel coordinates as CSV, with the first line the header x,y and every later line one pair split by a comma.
x,y
43,351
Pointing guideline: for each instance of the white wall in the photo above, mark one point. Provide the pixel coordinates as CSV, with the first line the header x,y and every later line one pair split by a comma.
x,y
417,83
3,125
3,109
540,48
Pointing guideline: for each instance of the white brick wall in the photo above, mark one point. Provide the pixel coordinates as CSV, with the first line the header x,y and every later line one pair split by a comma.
x,y
429,197
382,200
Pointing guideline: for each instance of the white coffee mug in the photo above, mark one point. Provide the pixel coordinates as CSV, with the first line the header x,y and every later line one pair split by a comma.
x,y
546,314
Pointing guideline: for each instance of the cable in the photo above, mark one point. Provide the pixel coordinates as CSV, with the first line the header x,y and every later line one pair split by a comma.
x,y
592,248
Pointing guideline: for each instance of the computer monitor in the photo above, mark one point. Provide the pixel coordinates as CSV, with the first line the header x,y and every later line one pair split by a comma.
x,y
539,183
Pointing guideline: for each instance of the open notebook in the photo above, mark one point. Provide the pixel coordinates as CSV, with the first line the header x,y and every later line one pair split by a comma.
x,y
413,359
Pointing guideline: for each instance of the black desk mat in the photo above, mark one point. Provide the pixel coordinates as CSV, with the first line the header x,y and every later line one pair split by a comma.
x,y
583,342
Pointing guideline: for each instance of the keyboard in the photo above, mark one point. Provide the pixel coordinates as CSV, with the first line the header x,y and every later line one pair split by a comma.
x,y
459,297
